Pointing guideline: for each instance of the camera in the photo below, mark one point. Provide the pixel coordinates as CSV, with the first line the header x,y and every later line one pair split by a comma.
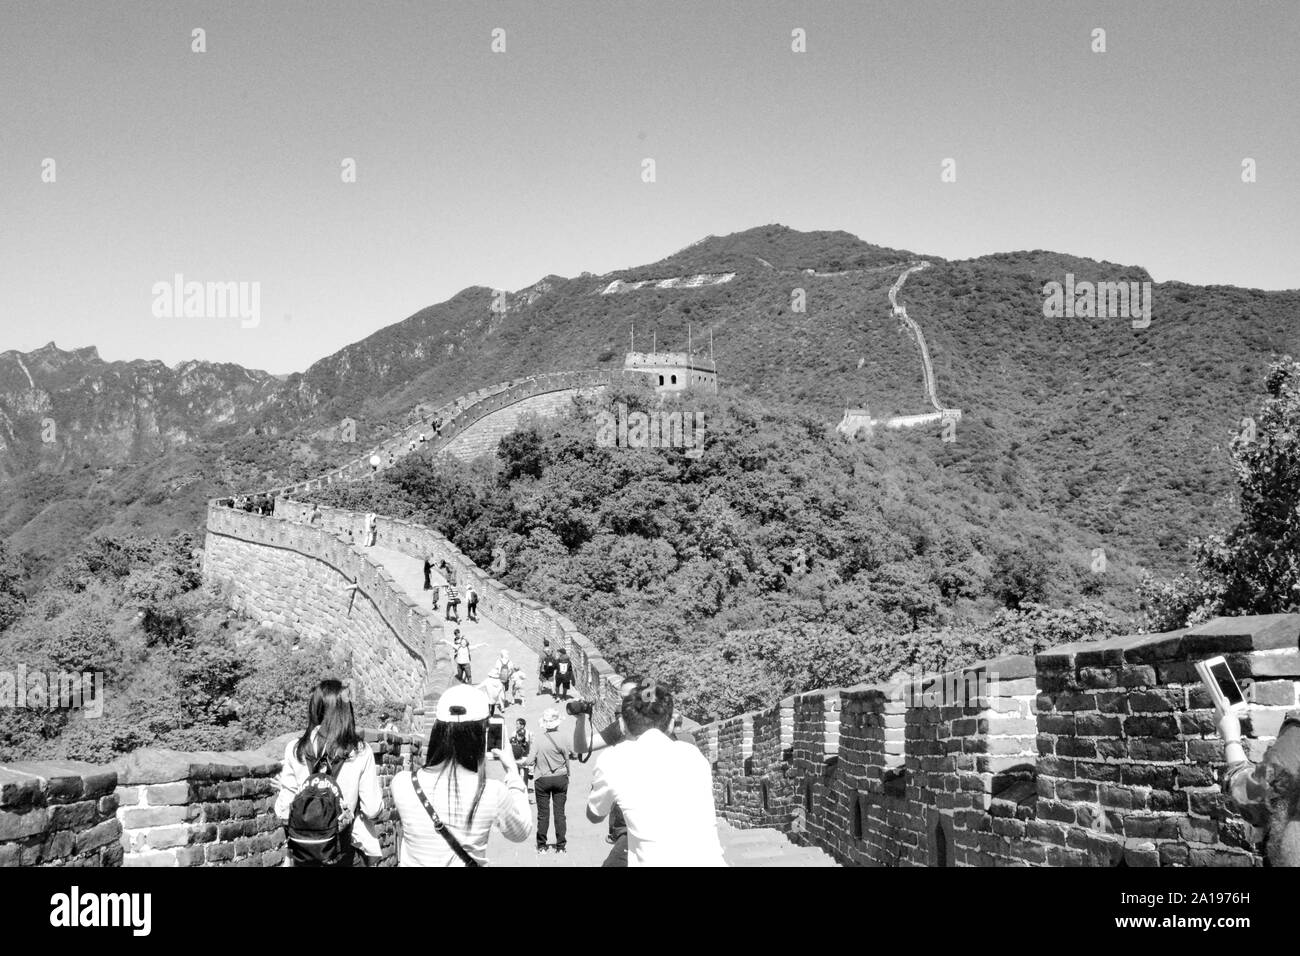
x,y
576,707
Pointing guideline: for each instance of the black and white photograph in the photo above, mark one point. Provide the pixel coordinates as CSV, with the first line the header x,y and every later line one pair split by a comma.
x,y
560,434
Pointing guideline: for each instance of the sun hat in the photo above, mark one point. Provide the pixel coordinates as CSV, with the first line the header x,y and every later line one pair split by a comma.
x,y
550,719
462,704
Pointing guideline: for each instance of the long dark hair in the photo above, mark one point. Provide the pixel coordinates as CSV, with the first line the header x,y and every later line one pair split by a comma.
x,y
463,744
330,713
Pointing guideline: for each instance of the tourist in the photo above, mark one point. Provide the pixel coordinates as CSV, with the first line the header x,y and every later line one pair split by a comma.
x,y
448,807
471,603
462,647
563,674
549,759
664,787
315,516
428,582
586,741
372,529
515,685
1267,793
331,745
453,602
520,744
546,669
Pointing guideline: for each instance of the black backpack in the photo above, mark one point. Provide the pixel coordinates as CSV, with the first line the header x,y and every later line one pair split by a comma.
x,y
317,833
548,665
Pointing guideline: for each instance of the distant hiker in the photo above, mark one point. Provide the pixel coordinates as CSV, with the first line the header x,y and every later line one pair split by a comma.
x,y
315,516
428,583
520,744
372,529
471,603
515,686
546,669
448,808
453,602
563,674
549,760
329,788
461,648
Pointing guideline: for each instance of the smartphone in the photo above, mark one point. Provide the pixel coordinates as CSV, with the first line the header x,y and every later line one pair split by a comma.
x,y
1223,687
496,730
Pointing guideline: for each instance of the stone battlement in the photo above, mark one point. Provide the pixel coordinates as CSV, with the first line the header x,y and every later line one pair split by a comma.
x,y
167,808
1091,754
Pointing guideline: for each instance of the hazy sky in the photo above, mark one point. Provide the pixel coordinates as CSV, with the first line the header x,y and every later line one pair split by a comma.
x,y
494,169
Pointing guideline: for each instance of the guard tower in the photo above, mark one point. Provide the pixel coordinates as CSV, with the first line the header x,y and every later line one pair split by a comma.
x,y
675,371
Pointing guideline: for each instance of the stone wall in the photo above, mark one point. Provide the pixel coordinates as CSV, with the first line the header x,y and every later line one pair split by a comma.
x,y
529,621
58,813
168,808
482,436
300,576
1095,754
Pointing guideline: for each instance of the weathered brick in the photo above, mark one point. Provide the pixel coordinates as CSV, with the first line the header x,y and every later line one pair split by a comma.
x,y
161,838
167,794
136,817
15,826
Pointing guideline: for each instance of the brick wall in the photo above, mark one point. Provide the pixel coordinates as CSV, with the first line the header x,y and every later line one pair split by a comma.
x,y
56,813
292,574
1093,754
159,807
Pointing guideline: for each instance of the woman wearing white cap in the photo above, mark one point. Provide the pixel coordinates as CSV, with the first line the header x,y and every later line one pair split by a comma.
x,y
448,808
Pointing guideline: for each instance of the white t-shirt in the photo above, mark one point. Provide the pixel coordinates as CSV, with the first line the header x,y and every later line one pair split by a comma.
x,y
504,803
665,790
359,782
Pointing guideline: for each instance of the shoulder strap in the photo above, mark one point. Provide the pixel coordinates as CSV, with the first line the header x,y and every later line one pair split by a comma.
x,y
438,825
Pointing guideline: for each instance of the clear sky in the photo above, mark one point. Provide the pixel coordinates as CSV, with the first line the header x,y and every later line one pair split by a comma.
x,y
494,169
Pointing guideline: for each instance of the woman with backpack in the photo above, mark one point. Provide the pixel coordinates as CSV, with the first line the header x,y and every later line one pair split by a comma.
x,y
448,807
329,788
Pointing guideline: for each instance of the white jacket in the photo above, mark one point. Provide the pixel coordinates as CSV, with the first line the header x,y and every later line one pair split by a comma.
x,y
359,781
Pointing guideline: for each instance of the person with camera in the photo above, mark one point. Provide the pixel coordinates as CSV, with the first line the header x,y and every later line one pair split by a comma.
x,y
664,787
1267,793
549,758
448,807
586,741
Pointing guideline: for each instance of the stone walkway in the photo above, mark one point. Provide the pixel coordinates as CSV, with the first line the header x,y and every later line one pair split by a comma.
x,y
586,843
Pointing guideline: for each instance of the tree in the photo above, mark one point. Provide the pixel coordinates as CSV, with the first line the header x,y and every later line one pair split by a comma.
x,y
1254,567
1019,577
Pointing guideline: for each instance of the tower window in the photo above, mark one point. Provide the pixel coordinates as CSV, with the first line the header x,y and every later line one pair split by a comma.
x,y
674,379
661,379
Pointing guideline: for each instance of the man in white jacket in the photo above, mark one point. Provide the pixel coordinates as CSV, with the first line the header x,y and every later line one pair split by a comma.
x,y
663,786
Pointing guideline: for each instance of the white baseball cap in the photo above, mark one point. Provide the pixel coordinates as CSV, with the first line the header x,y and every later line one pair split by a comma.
x,y
462,704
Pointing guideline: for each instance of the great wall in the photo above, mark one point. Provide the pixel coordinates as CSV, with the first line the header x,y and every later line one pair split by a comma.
x,y
1092,754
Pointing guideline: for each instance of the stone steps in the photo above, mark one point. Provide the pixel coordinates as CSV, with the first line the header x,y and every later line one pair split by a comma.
x,y
767,847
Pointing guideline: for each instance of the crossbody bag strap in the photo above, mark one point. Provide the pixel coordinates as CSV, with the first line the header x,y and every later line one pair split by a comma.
x,y
441,827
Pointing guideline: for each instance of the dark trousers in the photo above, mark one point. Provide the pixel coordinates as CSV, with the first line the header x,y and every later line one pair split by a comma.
x,y
471,609
462,673
547,789
618,855
562,685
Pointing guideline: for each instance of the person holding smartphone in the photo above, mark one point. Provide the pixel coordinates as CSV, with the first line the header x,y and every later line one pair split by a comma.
x,y
449,807
1267,793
